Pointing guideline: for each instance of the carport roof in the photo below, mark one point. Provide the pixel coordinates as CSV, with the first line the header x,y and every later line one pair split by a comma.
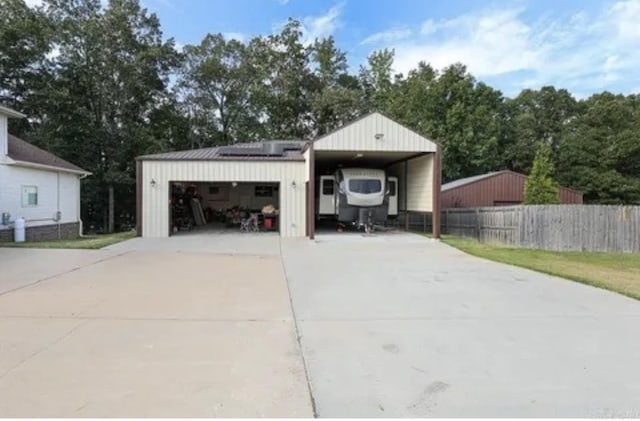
x,y
255,151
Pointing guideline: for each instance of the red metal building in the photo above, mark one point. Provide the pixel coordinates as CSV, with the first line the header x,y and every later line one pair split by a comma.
x,y
500,188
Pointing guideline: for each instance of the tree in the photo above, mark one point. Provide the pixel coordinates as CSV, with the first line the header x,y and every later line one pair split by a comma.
x,y
110,75
336,97
537,116
541,187
376,80
287,83
24,42
466,116
217,86
600,153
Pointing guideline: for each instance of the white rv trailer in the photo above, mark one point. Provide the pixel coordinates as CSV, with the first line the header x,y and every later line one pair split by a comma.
x,y
360,196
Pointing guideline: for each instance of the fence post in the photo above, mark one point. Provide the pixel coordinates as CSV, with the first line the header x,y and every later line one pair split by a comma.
x,y
478,224
446,221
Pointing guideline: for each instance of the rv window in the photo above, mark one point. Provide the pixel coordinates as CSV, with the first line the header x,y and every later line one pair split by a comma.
x,y
365,186
392,188
327,186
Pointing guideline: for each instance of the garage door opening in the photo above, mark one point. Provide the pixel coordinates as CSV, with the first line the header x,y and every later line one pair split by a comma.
x,y
240,207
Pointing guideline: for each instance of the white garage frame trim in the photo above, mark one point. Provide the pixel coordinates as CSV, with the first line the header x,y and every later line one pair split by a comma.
x,y
155,178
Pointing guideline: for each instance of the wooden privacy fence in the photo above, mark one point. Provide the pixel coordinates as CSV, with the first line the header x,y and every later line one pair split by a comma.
x,y
550,227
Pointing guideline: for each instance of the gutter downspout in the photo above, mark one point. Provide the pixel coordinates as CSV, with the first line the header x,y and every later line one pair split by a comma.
x,y
58,215
437,183
80,225
311,211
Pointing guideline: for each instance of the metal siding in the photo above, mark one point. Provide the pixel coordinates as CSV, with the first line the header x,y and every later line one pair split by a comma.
x,y
3,138
306,155
419,184
155,200
360,136
507,188
397,170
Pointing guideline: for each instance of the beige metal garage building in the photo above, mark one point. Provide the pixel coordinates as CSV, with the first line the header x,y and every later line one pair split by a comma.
x,y
285,174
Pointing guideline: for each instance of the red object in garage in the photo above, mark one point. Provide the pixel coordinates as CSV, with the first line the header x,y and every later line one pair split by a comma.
x,y
268,223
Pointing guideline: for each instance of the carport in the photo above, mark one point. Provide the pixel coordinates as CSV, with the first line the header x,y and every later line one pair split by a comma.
x,y
376,141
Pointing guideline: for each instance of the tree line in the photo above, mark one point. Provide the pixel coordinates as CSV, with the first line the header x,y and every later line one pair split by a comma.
x,y
101,85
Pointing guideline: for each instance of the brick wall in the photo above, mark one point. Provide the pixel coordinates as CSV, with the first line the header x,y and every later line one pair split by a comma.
x,y
44,232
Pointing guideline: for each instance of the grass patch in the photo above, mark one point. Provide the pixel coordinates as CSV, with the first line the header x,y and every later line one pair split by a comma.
x,y
87,242
613,271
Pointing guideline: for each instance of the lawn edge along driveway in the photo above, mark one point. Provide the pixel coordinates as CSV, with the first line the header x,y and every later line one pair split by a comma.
x,y
617,272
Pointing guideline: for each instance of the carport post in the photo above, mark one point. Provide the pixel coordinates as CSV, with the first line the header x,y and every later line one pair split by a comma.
x,y
437,174
311,203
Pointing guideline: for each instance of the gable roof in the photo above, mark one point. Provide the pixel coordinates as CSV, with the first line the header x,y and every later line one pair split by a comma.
x,y
25,153
266,150
468,180
375,132
473,179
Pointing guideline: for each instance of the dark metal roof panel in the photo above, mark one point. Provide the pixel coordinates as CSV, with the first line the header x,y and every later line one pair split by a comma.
x,y
254,152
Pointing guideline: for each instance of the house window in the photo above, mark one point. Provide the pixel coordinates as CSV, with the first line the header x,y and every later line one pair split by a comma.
x,y
214,190
327,187
264,191
29,196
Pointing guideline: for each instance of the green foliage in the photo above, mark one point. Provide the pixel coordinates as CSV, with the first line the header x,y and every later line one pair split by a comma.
x,y
102,86
601,152
541,187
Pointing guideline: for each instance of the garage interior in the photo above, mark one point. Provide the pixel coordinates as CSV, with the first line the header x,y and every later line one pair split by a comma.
x,y
224,207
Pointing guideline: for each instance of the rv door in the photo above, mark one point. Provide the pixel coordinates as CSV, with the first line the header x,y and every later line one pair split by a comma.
x,y
393,196
327,196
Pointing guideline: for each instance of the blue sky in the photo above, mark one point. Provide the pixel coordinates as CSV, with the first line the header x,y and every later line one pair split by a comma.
x,y
585,46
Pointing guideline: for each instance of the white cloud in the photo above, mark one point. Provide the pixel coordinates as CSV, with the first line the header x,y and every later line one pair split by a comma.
x,y
283,2
323,25
626,19
587,52
428,27
390,35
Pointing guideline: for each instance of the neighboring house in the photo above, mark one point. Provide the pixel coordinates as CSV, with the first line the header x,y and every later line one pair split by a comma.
x,y
500,188
37,186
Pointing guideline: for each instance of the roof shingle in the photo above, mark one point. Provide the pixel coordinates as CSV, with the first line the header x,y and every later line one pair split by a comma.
x,y
21,150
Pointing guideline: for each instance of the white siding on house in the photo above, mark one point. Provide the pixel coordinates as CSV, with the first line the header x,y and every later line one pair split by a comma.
x,y
155,199
419,184
3,138
361,136
14,177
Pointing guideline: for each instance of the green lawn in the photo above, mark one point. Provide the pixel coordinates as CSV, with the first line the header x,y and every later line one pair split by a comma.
x,y
86,242
613,271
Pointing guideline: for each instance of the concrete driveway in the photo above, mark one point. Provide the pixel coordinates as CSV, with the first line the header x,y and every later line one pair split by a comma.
x,y
399,325
391,325
145,329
